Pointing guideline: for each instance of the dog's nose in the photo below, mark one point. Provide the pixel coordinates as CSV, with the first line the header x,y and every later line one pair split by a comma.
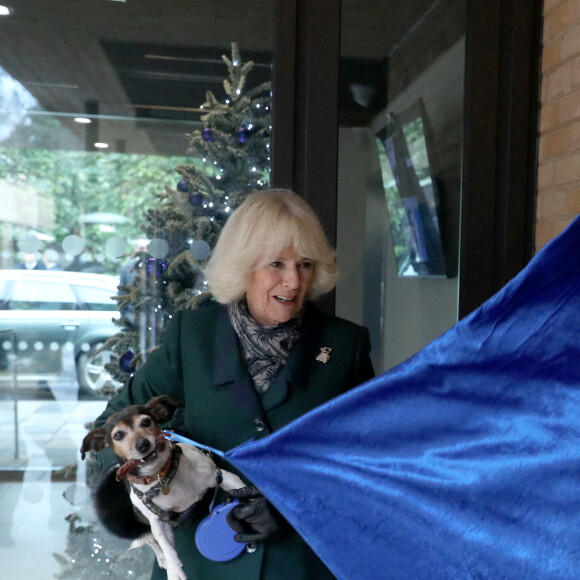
x,y
143,445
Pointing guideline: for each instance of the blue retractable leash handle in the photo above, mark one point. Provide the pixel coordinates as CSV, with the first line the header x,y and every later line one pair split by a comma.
x,y
214,537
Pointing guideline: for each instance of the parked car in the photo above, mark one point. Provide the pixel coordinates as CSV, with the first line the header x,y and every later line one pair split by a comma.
x,y
59,320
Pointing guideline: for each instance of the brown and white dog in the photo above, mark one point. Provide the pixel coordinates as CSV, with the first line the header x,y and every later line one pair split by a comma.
x,y
167,481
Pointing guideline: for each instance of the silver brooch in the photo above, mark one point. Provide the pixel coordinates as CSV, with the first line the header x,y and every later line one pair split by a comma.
x,y
324,355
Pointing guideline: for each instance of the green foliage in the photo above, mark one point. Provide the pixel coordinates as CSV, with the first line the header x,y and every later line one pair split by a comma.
x,y
232,158
239,149
80,183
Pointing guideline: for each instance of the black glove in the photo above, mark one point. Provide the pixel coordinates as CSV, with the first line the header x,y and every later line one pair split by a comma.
x,y
254,518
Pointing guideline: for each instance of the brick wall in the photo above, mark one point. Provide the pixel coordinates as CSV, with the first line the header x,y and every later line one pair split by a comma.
x,y
559,154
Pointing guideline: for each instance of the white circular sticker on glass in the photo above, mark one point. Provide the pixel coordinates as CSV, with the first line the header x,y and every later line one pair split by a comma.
x,y
158,248
73,245
28,243
116,247
199,249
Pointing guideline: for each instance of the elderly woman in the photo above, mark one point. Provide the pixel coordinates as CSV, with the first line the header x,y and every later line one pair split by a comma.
x,y
261,357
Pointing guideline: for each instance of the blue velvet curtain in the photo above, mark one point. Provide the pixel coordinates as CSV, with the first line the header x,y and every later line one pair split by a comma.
x,y
462,462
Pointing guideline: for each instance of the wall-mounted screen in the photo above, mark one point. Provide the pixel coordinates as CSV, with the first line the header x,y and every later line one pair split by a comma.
x,y
407,156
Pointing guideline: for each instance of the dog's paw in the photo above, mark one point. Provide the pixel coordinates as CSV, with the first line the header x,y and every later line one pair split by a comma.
x,y
161,561
176,573
150,540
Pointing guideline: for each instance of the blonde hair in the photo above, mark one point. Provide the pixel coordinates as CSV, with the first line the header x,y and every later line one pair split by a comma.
x,y
255,235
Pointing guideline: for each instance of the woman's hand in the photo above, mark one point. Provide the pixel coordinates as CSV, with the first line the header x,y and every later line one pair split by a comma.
x,y
254,518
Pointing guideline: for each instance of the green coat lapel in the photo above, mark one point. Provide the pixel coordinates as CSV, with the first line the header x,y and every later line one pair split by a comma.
x,y
294,374
299,363
228,370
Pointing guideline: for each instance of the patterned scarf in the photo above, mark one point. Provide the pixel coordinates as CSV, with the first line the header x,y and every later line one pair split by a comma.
x,y
265,348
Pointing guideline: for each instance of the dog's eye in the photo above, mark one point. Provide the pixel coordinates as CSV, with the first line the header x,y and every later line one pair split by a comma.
x,y
118,436
146,422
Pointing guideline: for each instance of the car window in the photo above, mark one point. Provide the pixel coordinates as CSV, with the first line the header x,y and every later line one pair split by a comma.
x,y
31,295
96,298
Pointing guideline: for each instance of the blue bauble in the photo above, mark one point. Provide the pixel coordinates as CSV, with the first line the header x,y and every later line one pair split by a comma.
x,y
207,135
196,199
155,267
125,362
182,186
243,134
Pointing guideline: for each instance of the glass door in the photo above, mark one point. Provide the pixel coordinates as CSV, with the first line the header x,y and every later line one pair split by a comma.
x,y
401,102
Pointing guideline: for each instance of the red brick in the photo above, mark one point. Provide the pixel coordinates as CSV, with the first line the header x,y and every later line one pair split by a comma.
x,y
560,81
550,4
549,115
543,234
573,201
551,56
554,144
570,44
574,136
568,169
576,71
569,107
558,226
546,175
560,19
553,204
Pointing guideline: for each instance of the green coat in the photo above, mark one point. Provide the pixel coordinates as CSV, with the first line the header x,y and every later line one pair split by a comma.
x,y
200,365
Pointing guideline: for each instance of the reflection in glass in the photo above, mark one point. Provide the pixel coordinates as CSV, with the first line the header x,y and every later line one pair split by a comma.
x,y
411,192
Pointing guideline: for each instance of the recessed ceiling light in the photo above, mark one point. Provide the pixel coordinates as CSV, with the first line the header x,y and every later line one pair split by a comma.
x,y
101,145
5,10
82,120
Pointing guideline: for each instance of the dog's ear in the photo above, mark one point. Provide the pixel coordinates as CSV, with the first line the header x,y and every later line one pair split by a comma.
x,y
162,408
93,441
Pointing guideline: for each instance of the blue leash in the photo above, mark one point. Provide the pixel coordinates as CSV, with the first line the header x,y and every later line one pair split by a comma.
x,y
171,436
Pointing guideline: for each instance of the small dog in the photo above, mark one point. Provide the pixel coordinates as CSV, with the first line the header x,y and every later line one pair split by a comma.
x,y
167,481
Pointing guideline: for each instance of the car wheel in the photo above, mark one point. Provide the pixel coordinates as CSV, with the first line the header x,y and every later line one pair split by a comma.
x,y
91,371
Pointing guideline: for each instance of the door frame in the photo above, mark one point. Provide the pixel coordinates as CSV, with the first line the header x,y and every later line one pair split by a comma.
x,y
501,108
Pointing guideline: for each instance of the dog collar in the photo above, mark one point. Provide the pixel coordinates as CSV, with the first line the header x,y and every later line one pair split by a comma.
x,y
163,483
161,474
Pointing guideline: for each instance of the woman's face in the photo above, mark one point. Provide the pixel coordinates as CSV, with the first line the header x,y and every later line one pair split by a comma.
x,y
276,292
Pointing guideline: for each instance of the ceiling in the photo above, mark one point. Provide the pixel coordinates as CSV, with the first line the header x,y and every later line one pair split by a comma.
x,y
141,68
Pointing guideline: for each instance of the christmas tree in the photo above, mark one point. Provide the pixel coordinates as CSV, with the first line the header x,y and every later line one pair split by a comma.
x,y
231,155
230,158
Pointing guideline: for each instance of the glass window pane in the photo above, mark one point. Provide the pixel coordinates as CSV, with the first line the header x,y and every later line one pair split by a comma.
x,y
99,102
400,147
